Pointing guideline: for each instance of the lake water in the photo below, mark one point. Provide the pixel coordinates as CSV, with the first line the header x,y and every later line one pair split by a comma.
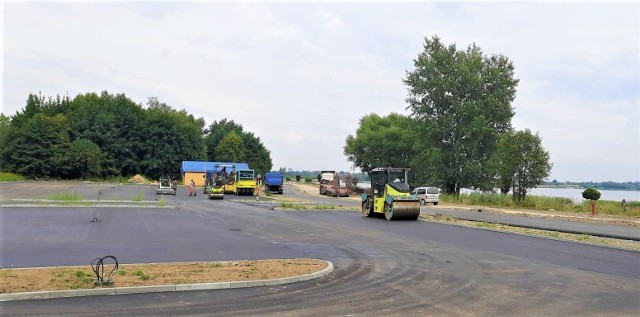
x,y
574,194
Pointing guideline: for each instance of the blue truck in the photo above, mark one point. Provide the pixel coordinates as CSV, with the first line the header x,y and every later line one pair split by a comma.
x,y
273,182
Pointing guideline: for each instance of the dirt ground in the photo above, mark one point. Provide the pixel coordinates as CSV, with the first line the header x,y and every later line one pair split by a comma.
x,y
64,278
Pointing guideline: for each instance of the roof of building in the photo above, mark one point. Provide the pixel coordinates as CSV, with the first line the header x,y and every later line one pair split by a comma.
x,y
199,166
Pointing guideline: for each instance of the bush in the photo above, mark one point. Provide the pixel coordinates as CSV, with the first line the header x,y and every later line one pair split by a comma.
x,y
308,179
10,177
591,194
288,179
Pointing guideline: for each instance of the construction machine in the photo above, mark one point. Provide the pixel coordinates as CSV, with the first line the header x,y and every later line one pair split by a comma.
x,y
166,187
390,195
245,182
216,189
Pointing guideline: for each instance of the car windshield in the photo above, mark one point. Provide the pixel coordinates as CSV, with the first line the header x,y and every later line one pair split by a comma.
x,y
245,174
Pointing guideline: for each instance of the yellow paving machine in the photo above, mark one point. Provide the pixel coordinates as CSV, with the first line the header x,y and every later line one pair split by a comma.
x,y
390,195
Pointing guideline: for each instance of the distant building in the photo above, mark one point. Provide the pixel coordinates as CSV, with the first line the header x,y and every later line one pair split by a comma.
x,y
197,170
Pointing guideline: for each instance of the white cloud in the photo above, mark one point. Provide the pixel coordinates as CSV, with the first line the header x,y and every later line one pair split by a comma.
x,y
301,75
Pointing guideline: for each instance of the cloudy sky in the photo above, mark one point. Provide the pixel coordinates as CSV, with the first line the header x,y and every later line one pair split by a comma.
x,y
300,75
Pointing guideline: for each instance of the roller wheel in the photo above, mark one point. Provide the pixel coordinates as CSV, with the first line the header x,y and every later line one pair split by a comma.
x,y
435,204
366,208
388,211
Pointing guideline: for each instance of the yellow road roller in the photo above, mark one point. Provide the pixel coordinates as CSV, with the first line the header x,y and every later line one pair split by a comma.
x,y
390,195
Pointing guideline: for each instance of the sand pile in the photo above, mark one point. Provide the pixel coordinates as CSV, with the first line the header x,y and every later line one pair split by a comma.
x,y
139,179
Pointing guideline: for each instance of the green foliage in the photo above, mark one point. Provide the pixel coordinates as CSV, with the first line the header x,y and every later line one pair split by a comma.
x,y
10,177
288,178
308,179
85,157
65,196
462,101
253,151
522,163
106,136
230,149
539,203
591,194
381,141
141,274
138,197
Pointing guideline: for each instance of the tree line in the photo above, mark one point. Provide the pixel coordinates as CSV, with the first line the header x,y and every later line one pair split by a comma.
x,y
109,135
598,185
459,133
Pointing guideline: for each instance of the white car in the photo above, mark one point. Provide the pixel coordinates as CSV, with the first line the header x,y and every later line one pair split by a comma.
x,y
427,195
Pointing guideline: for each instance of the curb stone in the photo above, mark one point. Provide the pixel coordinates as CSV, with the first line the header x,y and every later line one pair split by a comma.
x,y
165,288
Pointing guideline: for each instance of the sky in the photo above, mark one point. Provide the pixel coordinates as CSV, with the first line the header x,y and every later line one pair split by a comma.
x,y
300,75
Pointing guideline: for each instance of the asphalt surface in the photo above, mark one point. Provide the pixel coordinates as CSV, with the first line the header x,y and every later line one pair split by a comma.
x,y
595,229
404,268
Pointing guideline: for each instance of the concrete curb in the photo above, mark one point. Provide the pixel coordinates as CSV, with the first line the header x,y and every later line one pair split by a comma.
x,y
147,206
165,288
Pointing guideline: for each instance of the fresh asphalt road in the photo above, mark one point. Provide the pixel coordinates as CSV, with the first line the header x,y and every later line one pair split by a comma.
x,y
408,268
602,230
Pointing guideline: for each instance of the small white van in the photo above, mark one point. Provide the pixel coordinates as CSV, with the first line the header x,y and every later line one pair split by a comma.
x,y
427,195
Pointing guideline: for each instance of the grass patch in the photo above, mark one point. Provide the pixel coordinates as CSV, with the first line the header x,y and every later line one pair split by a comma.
x,y
163,202
541,203
629,244
65,196
138,197
10,177
141,274
289,205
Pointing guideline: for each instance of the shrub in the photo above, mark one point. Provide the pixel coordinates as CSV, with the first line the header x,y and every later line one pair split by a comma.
x,y
10,177
591,194
288,179
308,179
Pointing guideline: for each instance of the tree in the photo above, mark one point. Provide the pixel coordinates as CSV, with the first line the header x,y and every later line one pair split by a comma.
x,y
171,137
85,156
216,132
523,162
462,101
298,178
591,194
381,141
5,127
39,146
230,148
115,124
255,153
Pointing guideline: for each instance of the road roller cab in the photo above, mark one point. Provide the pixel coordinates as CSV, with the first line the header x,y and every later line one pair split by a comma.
x,y
390,195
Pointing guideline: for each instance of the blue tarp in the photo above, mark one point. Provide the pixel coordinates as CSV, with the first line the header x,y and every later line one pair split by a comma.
x,y
198,166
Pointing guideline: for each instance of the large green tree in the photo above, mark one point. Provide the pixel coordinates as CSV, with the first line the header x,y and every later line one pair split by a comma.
x,y
462,101
523,162
39,146
84,157
170,137
254,152
114,123
381,141
216,132
230,149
